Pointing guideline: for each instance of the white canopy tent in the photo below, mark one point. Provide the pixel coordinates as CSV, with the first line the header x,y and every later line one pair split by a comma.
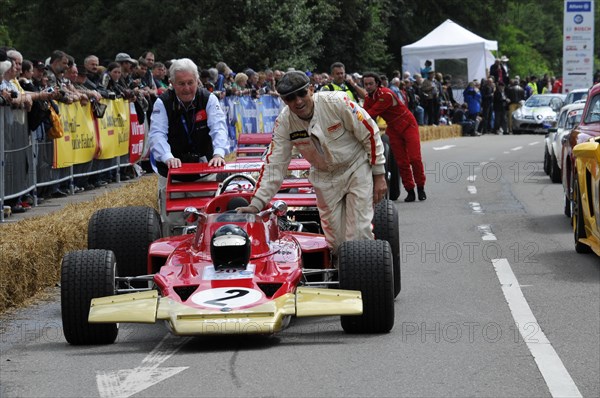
x,y
450,41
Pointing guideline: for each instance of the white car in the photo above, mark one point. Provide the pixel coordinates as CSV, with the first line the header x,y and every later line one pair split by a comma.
x,y
538,113
578,94
568,118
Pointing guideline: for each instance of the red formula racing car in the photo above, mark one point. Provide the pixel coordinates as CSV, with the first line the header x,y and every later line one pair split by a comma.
x,y
228,273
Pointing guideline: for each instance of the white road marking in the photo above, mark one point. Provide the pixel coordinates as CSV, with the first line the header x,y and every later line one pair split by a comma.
x,y
486,232
472,189
551,367
534,143
506,151
471,178
441,148
127,382
476,207
517,148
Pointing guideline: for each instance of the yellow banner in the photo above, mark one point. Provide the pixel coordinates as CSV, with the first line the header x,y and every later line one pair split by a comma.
x,y
114,129
78,145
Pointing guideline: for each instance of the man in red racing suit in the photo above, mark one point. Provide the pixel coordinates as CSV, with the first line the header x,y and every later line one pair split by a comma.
x,y
343,146
402,130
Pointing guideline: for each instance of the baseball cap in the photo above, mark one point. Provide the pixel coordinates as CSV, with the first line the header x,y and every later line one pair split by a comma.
x,y
291,82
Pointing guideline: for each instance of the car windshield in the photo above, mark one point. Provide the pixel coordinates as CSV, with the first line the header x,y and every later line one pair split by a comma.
x,y
593,115
537,101
576,96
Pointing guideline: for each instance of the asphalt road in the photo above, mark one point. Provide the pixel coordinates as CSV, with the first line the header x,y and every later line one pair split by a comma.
x,y
495,302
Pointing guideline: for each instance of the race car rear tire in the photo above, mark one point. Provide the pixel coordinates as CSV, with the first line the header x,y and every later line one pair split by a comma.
x,y
555,173
366,265
86,274
385,227
546,160
392,174
128,232
578,223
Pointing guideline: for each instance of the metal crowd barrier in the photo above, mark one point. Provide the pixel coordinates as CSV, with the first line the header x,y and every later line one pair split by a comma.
x,y
26,160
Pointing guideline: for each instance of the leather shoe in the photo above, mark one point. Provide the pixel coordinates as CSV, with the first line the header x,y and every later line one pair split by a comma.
x,y
421,193
411,196
100,183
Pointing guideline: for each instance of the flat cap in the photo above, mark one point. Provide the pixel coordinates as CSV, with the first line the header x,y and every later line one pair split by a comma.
x,y
291,82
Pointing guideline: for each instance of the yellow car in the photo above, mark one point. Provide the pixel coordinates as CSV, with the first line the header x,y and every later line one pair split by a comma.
x,y
586,197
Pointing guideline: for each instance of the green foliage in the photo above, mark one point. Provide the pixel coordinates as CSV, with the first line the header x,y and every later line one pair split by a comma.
x,y
304,34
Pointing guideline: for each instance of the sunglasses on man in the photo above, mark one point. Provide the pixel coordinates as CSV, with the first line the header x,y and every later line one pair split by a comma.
x,y
292,96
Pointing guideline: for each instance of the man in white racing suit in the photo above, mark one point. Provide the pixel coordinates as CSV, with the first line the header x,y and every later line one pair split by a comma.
x,y
343,146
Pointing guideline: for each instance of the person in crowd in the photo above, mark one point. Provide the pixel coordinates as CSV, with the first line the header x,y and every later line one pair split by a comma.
x,y
384,81
159,71
188,126
498,72
90,65
469,126
500,103
515,95
487,100
413,101
426,69
557,85
343,82
205,81
239,86
113,83
472,98
342,143
430,97
403,132
395,87
547,88
224,72
531,88
269,85
148,78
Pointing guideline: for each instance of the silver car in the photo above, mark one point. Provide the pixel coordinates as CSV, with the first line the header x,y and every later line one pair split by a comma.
x,y
569,117
538,113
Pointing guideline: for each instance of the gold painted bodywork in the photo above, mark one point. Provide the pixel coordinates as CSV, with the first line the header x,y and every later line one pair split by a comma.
x,y
265,318
587,159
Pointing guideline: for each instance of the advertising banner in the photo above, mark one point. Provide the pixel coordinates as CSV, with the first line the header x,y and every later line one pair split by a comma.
x,y
78,144
113,130
578,44
136,136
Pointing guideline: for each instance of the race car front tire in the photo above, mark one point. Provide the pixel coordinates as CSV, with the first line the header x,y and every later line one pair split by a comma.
x,y
128,232
578,222
392,174
555,172
546,160
86,274
366,266
385,227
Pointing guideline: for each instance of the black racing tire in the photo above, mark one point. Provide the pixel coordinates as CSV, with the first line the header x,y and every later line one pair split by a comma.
x,y
385,227
546,160
567,209
128,232
366,265
578,223
555,173
86,274
392,174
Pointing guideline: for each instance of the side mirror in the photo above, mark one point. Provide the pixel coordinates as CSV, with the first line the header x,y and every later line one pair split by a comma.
x,y
191,214
280,208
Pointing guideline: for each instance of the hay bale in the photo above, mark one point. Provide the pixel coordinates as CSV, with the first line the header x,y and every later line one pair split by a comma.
x,y
31,250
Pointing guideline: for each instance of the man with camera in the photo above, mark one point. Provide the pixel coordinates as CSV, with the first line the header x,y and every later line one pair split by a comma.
x,y
187,126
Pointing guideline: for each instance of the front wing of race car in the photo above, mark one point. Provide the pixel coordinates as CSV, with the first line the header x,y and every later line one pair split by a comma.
x,y
265,318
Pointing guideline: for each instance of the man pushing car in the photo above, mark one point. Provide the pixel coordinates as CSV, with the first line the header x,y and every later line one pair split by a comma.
x,y
343,146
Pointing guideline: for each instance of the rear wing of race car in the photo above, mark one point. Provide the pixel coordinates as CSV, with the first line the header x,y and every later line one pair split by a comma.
x,y
296,192
253,144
